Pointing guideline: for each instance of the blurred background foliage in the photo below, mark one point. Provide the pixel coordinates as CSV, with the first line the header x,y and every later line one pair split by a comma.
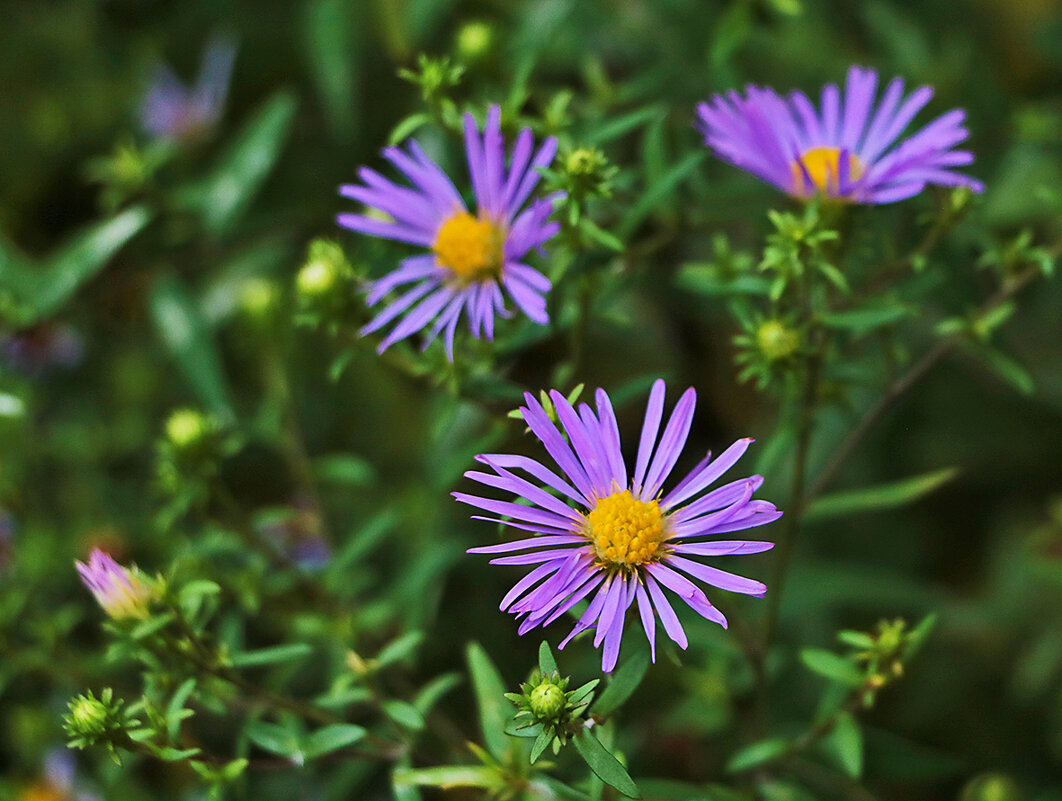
x,y
170,274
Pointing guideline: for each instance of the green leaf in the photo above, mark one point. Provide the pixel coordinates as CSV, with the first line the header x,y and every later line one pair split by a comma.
x,y
542,741
624,682
844,745
331,738
273,738
866,319
623,124
546,662
407,127
399,649
521,729
81,259
435,689
1008,369
175,708
604,765
658,192
11,405
271,656
831,666
330,47
448,776
756,754
490,699
883,496
404,714
704,279
246,163
918,634
186,336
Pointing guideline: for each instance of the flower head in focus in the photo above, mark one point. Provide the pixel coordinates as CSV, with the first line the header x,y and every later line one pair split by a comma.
x,y
473,255
848,150
625,540
173,111
122,592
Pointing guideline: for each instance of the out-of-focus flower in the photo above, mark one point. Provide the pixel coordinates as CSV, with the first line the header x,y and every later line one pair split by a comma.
x,y
58,781
473,256
624,540
296,531
173,111
122,592
7,537
849,150
41,348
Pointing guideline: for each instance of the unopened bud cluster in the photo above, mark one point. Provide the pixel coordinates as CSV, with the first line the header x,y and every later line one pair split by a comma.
x,y
190,450
325,286
93,720
548,711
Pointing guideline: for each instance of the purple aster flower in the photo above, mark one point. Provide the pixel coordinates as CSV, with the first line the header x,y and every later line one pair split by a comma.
x,y
848,150
472,257
171,110
121,592
42,348
624,540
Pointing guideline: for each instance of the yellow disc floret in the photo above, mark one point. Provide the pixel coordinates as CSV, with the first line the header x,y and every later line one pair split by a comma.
x,y
470,248
823,167
624,531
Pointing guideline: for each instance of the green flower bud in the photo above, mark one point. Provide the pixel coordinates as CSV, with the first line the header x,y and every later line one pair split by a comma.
x,y
474,40
315,279
88,716
547,701
991,787
776,340
259,298
186,429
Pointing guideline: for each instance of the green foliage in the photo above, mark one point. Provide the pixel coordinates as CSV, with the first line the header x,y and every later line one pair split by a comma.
x,y
218,416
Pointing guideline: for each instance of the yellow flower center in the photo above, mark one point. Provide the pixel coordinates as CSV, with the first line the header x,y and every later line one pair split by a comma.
x,y
470,248
625,532
823,166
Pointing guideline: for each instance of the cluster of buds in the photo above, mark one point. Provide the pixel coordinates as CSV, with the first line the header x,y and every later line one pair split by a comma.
x,y
766,347
97,721
123,593
326,284
885,651
582,174
548,711
435,77
190,450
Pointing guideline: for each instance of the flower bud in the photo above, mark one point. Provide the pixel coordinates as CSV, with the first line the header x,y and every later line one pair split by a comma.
x,y
474,40
259,297
187,428
122,592
991,787
88,715
776,340
547,701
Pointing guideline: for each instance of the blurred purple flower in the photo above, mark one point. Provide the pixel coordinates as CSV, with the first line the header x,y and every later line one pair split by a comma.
x,y
624,538
59,782
7,538
473,257
41,348
296,532
846,151
173,111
